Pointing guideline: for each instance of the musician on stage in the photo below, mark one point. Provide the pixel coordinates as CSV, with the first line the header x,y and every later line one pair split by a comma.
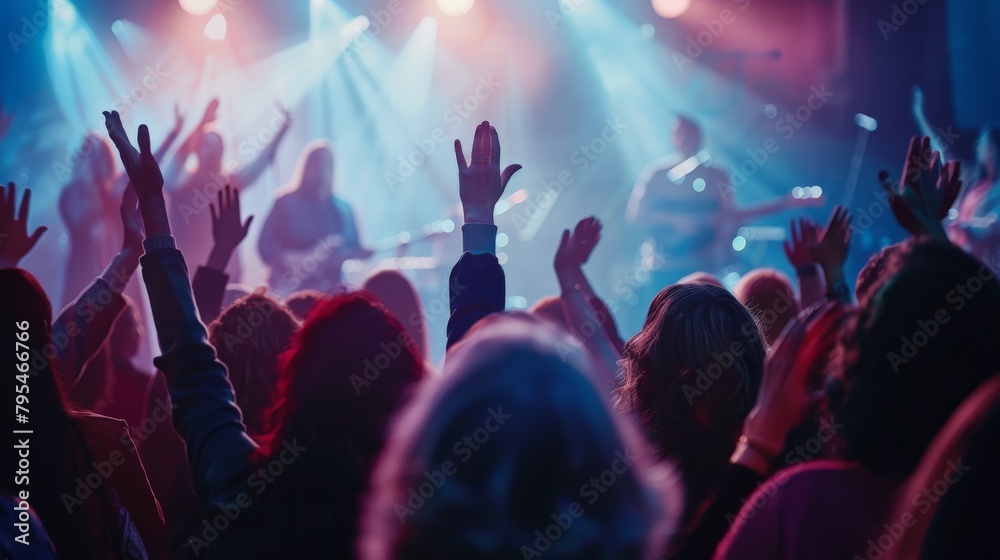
x,y
686,205
310,231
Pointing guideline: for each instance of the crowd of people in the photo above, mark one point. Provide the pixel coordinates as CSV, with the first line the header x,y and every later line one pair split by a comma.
x,y
821,419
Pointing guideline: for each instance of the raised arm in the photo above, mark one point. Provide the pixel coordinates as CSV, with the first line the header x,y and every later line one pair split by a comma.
x,y
175,168
228,232
476,285
86,322
799,251
831,250
926,191
588,323
206,416
247,175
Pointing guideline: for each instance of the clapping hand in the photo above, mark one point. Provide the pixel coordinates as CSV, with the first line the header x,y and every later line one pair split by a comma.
x,y
481,183
831,249
928,190
575,249
15,242
799,250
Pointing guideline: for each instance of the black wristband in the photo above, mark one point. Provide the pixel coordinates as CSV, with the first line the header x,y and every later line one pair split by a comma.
x,y
806,270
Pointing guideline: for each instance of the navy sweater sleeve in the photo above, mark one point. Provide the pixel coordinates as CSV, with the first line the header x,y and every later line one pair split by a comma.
x,y
476,289
206,416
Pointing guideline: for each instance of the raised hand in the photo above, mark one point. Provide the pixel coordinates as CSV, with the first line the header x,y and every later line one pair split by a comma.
x,y
786,397
143,172
831,249
575,249
227,230
211,112
928,190
178,120
140,164
15,242
799,248
480,184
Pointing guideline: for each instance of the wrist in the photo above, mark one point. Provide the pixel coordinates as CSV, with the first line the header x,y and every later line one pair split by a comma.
x,y
570,278
806,269
479,216
218,258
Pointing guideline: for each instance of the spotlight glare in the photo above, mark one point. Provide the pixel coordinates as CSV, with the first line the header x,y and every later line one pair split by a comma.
x,y
671,8
215,29
117,26
197,7
739,243
455,7
698,185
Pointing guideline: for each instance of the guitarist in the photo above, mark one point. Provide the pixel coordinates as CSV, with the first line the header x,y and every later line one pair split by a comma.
x,y
687,209
310,232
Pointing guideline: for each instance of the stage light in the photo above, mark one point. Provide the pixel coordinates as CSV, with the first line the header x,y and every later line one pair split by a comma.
x,y
798,192
197,7
647,31
117,26
866,122
698,185
455,7
739,243
353,28
770,111
502,240
215,29
671,8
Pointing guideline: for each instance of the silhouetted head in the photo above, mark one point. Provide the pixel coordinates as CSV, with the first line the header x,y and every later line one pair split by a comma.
x,y
399,296
687,136
97,163
210,151
127,334
513,436
248,337
350,367
691,376
925,341
769,296
880,268
314,170
303,302
703,277
551,308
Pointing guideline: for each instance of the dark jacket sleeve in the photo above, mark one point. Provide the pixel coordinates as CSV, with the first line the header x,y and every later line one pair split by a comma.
x,y
699,539
205,413
209,287
82,327
476,289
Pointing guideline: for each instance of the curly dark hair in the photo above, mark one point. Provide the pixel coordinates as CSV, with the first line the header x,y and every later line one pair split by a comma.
x,y
926,340
248,336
